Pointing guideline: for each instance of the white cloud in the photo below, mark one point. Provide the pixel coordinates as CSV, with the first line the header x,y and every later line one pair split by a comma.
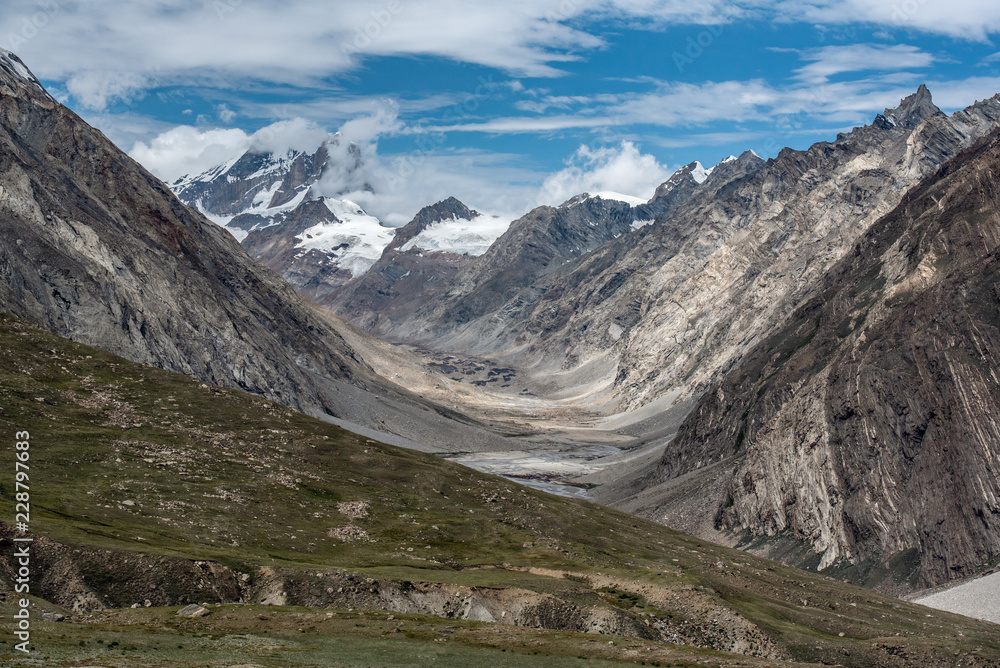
x,y
300,42
368,129
187,150
297,134
190,150
622,169
226,115
527,124
126,128
965,19
688,105
832,60
494,184
227,43
695,105
94,89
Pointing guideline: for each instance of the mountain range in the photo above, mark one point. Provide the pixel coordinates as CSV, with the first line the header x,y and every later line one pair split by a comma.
x,y
103,253
794,356
638,321
280,208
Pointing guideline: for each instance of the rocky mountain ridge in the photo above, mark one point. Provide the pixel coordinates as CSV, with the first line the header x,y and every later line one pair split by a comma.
x,y
278,207
452,291
652,318
281,208
866,425
643,306
100,251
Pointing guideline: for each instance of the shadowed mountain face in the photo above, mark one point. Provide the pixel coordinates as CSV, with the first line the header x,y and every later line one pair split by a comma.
x,y
867,425
98,250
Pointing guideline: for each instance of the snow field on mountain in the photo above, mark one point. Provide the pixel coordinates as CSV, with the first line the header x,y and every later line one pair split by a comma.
x,y
355,238
459,236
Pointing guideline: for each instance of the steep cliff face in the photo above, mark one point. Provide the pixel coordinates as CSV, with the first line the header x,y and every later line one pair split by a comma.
x,y
867,424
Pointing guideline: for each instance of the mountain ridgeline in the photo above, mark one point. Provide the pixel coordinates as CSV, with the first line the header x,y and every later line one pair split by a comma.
x,y
154,489
98,250
866,424
663,309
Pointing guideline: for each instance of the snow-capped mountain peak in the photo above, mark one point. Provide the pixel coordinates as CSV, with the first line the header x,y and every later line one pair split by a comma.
x,y
462,236
275,204
351,237
628,199
699,173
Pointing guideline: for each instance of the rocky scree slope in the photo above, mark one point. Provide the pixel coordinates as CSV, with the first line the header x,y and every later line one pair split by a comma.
x,y
662,311
148,484
867,424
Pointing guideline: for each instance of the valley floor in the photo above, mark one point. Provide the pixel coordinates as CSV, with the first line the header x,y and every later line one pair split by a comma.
x,y
556,438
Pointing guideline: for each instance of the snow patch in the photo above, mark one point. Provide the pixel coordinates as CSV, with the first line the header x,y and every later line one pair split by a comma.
x,y
699,173
355,239
636,224
186,181
628,199
275,164
15,64
460,236
237,232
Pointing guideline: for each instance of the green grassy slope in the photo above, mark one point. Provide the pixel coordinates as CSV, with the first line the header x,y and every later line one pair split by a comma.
x,y
140,476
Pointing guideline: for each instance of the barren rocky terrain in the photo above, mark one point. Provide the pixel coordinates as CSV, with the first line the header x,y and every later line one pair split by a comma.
x,y
865,425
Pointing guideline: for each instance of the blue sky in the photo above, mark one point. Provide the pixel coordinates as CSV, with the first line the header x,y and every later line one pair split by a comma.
x,y
503,104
